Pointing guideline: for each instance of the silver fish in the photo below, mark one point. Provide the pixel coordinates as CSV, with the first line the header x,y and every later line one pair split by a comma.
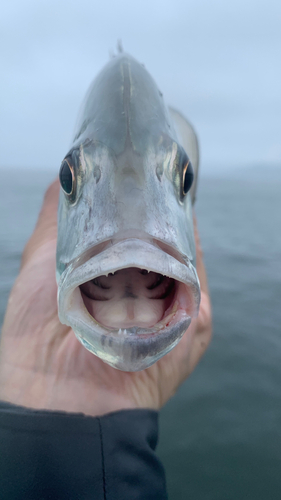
x,y
127,282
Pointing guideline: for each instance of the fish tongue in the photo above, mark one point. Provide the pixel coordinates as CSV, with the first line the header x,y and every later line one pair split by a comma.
x,y
128,312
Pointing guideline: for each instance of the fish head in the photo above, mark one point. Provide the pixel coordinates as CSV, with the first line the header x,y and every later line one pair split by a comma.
x,y
127,281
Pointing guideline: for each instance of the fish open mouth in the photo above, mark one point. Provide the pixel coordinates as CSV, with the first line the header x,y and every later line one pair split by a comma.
x,y
130,304
133,298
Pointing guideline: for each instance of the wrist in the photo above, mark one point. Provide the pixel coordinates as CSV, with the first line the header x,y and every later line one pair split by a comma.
x,y
45,392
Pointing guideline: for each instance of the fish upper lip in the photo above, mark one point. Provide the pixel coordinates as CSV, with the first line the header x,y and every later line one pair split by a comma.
x,y
141,237
143,254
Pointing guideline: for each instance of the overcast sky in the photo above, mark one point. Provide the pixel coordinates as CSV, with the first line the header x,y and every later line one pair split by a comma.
x,y
217,61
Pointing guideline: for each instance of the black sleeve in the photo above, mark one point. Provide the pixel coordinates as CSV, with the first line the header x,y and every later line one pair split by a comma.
x,y
66,456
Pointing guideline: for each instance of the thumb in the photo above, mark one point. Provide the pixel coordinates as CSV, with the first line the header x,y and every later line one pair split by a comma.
x,y
46,226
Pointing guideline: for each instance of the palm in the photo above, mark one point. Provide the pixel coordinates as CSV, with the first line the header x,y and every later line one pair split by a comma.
x,y
62,373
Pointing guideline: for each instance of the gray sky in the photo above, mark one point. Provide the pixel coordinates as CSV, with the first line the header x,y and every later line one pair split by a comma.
x,y
219,62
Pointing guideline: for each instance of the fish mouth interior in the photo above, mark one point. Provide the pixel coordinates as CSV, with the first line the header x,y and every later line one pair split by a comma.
x,y
135,298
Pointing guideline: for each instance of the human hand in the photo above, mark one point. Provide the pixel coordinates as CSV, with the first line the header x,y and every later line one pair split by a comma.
x,y
43,365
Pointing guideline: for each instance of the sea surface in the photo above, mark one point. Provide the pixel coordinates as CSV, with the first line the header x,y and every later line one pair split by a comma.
x,y
220,436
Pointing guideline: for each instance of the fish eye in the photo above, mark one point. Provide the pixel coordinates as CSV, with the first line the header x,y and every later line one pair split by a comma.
x,y
67,178
187,176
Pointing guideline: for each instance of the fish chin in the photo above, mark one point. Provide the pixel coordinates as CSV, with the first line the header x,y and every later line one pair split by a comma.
x,y
130,304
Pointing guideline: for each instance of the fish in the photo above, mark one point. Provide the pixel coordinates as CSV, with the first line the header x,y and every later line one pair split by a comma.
x,y
126,259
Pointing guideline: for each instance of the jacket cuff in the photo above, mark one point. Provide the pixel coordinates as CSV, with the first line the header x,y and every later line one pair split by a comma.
x,y
61,455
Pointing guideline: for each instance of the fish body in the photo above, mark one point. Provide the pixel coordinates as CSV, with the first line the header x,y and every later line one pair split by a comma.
x,y
127,283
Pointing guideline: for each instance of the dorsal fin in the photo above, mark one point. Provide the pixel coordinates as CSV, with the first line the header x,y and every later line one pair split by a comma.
x,y
188,139
120,49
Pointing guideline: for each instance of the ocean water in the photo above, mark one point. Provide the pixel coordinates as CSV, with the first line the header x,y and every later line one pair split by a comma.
x,y
220,436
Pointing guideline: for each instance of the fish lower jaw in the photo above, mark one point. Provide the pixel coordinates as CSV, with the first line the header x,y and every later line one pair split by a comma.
x,y
133,347
129,349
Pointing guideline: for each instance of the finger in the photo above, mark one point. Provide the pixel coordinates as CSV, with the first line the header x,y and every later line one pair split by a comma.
x,y
200,267
204,323
48,213
46,226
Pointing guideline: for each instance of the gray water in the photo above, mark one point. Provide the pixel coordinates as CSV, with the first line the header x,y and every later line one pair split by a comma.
x,y
220,436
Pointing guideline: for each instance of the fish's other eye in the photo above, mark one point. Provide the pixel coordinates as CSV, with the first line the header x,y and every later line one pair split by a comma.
x,y
67,178
187,176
